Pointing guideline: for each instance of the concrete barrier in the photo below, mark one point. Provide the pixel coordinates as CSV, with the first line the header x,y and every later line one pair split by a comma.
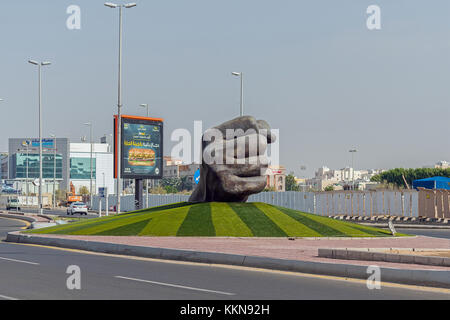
x,y
376,255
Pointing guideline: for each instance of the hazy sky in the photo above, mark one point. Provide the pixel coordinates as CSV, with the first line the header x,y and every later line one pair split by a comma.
x,y
312,69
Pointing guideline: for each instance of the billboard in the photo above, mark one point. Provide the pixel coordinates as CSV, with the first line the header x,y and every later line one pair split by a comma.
x,y
141,148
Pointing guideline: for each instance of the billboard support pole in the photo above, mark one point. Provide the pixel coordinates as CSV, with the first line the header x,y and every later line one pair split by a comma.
x,y
138,199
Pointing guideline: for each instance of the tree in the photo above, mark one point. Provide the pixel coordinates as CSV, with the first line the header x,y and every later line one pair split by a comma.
x,y
186,184
84,191
171,185
395,176
291,184
329,188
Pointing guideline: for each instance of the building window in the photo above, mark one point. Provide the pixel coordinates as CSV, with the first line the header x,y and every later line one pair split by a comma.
x,y
32,166
80,168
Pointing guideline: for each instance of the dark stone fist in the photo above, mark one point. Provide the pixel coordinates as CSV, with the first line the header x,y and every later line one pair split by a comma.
x,y
233,161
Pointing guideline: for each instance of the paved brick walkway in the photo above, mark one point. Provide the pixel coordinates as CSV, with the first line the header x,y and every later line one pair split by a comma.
x,y
299,249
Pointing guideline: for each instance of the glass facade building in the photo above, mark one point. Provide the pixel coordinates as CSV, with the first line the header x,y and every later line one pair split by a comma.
x,y
80,168
31,164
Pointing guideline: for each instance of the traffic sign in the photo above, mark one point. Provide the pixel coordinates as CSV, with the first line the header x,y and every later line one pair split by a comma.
x,y
102,192
197,176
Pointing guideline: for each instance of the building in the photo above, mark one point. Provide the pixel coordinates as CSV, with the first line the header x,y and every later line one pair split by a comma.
x,y
63,164
102,166
341,178
276,178
439,165
175,168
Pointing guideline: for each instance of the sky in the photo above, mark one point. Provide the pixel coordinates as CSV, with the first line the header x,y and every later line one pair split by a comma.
x,y
312,69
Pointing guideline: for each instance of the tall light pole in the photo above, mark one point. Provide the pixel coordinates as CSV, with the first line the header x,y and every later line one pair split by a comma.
x,y
353,151
119,98
89,124
145,105
54,169
241,75
40,65
26,144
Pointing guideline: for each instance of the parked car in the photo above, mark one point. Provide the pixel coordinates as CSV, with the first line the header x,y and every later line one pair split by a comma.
x,y
77,207
13,204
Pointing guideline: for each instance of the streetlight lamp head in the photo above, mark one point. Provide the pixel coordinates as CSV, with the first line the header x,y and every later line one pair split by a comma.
x,y
88,124
130,5
143,105
111,5
33,62
46,63
237,74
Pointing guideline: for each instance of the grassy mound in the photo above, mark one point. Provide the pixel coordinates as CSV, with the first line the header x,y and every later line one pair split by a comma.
x,y
216,219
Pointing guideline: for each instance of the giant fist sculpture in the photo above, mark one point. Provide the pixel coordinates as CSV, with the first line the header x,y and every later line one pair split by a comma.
x,y
233,161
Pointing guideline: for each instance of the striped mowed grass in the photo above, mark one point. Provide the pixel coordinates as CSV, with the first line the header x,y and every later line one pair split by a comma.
x,y
216,219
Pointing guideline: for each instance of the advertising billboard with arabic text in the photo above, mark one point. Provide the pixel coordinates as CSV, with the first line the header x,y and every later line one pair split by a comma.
x,y
141,148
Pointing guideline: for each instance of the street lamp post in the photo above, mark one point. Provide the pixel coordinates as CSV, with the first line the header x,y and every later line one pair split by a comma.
x,y
119,98
26,144
54,170
353,151
89,124
241,75
40,65
145,105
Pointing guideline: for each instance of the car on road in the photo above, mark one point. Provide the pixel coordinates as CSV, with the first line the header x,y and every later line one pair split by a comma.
x,y
13,203
77,207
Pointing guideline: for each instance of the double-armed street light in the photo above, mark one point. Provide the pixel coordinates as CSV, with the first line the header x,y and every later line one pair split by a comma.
x,y
40,65
119,103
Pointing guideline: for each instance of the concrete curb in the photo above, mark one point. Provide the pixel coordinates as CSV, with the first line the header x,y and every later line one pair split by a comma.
x,y
436,278
348,254
406,226
18,217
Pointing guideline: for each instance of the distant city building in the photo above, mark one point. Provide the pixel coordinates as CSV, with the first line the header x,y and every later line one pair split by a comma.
x,y
439,165
175,168
71,164
276,178
341,178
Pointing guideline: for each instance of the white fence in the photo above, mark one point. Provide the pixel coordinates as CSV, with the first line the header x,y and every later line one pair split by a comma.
x,y
353,203
367,203
127,202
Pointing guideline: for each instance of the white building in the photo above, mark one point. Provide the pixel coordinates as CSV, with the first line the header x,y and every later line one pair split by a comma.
x,y
340,178
102,166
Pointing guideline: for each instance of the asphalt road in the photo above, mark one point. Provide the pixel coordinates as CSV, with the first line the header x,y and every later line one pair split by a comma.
x,y
437,233
35,272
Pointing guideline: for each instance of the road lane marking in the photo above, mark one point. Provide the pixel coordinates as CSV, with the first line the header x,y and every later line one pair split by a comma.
x,y
20,261
176,286
242,268
7,298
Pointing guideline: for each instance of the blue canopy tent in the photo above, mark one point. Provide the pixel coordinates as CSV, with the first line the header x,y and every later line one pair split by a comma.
x,y
432,183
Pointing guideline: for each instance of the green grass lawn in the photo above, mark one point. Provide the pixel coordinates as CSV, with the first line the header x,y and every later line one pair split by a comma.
x,y
216,219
